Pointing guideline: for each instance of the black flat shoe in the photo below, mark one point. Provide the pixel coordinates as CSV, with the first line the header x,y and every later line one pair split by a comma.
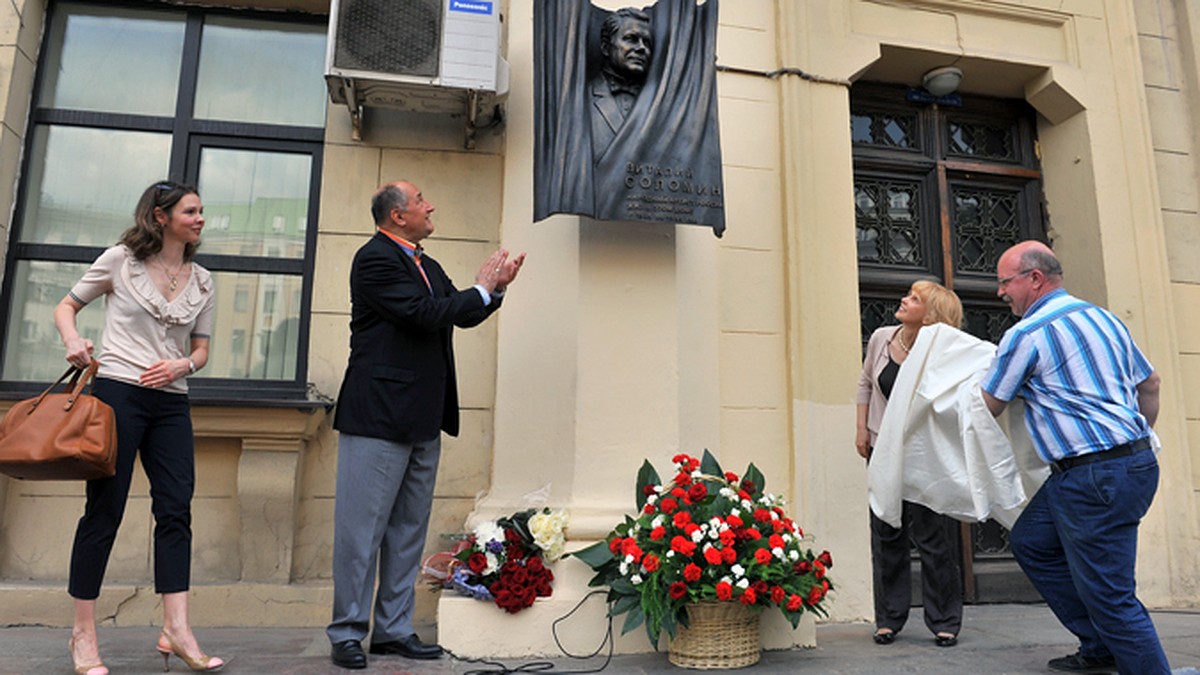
x,y
945,640
409,647
348,654
883,637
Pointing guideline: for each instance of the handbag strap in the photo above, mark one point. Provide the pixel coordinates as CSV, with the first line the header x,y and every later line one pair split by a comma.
x,y
80,377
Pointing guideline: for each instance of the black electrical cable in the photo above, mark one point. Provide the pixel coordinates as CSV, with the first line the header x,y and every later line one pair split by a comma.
x,y
497,668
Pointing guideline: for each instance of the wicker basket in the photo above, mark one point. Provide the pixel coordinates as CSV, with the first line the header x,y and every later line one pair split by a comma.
x,y
721,635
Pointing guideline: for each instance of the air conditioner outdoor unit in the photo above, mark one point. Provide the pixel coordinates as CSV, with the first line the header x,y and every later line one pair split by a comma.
x,y
440,56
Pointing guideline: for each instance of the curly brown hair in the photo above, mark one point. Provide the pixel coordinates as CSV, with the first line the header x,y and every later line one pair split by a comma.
x,y
144,238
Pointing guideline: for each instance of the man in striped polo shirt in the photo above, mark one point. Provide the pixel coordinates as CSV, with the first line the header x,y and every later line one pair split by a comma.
x,y
1091,398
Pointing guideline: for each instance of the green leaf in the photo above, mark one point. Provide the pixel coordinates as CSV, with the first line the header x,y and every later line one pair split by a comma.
x,y
624,604
646,476
633,619
756,477
622,586
709,465
594,556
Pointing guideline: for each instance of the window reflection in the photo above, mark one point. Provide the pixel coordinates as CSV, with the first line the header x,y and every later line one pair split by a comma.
x,y
79,183
261,314
33,350
259,199
112,59
259,71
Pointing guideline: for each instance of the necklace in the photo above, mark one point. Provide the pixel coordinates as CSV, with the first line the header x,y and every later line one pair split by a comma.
x,y
172,277
900,339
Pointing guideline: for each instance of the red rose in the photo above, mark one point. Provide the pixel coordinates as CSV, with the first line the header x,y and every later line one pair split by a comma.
x,y
775,541
818,569
749,486
683,546
615,545
648,508
763,556
826,559
677,590
658,533
535,565
690,529
760,587
684,478
477,562
712,555
697,492
729,555
731,477
727,537
778,594
651,562
749,597
762,515
514,552
802,567
648,490
668,504
724,591
734,521
815,594
691,572
630,548
794,603
743,495
681,518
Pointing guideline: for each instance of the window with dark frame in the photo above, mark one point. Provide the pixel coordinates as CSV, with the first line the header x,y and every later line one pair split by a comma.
x,y
230,101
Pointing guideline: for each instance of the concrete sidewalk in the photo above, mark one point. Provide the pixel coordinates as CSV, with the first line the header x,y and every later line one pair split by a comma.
x,y
996,639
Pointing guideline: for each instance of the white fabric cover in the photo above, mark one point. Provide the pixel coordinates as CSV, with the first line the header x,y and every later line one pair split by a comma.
x,y
938,445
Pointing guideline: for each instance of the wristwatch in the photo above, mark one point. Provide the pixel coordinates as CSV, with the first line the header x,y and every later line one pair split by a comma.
x,y
191,367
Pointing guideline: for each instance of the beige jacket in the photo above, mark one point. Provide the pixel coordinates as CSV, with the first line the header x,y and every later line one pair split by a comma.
x,y
868,381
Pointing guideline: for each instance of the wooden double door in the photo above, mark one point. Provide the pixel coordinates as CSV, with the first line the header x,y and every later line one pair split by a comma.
x,y
940,192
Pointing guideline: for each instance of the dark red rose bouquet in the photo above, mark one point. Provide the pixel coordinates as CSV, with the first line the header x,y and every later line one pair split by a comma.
x,y
505,560
706,534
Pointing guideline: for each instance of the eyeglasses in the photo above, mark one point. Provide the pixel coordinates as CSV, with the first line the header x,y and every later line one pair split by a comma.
x,y
1007,280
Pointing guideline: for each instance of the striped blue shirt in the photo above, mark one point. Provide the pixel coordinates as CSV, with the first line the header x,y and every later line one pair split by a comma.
x,y
1077,368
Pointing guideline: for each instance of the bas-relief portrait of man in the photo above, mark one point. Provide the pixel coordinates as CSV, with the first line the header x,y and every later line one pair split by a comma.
x,y
626,112
626,47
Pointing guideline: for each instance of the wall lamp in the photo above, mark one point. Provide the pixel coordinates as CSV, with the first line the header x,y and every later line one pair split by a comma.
x,y
942,80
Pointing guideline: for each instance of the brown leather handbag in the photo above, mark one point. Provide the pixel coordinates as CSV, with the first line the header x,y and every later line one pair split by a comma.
x,y
64,436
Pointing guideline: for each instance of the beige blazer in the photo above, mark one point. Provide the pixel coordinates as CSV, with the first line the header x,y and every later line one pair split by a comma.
x,y
868,381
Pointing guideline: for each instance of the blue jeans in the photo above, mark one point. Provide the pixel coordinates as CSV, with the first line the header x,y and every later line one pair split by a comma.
x,y
1077,543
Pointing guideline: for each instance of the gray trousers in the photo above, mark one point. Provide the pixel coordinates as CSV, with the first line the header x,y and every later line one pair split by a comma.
x,y
381,514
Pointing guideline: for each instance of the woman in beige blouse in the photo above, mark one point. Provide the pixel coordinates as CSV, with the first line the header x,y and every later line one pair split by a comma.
x,y
935,535
156,331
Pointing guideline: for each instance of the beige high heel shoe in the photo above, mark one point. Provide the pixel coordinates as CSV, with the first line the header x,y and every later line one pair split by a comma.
x,y
204,664
96,668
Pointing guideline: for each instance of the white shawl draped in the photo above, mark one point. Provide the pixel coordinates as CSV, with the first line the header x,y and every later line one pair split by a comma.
x,y
938,445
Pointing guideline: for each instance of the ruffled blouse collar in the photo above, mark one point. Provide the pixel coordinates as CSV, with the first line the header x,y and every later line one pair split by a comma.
x,y
183,309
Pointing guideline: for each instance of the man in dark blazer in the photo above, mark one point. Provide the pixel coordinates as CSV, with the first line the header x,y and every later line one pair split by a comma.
x,y
399,393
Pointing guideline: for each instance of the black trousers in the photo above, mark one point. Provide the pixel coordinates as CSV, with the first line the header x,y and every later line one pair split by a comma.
x,y
936,538
159,424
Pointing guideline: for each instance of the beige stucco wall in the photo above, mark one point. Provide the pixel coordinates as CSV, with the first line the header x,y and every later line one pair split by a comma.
x,y
625,341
